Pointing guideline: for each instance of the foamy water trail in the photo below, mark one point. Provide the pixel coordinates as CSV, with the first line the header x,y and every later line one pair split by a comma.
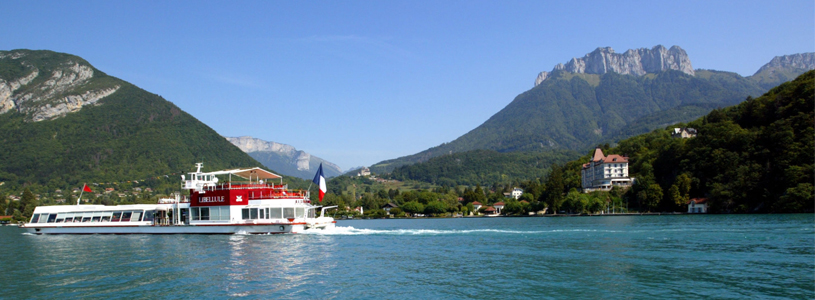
x,y
349,230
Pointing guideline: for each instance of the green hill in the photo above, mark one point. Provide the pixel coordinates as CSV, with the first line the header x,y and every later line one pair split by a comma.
x,y
54,133
577,111
756,156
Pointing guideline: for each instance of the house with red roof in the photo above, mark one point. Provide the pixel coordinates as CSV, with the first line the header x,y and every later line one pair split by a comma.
x,y
476,205
499,206
697,206
604,172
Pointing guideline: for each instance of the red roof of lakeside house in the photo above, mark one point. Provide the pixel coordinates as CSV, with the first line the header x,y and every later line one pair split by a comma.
x,y
490,209
524,201
698,200
499,204
476,203
599,158
614,158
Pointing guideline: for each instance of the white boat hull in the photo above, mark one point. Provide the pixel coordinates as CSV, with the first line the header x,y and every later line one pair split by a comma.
x,y
183,229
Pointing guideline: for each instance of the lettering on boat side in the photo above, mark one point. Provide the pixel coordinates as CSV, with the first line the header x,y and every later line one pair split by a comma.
x,y
210,199
239,198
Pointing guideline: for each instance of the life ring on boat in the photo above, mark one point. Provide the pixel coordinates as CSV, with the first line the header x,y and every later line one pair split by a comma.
x,y
282,228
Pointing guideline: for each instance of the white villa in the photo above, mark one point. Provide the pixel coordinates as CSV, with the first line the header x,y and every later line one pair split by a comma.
x,y
683,133
604,172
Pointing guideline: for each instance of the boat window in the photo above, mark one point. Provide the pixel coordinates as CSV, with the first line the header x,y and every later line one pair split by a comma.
x,y
149,215
35,218
219,213
301,212
43,218
126,216
262,213
52,218
253,212
86,217
288,212
69,217
117,215
267,213
275,213
194,214
245,214
96,219
205,213
106,218
136,216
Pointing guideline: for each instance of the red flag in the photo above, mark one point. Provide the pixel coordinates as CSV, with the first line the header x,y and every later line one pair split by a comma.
x,y
87,188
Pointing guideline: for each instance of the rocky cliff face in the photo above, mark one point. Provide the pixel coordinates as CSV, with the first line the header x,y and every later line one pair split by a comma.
x,y
634,62
288,160
804,61
57,89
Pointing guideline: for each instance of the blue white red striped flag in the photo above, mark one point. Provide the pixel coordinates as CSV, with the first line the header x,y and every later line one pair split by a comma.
x,y
319,180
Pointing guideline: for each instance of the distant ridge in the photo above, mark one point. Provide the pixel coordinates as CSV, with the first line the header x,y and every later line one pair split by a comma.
x,y
284,158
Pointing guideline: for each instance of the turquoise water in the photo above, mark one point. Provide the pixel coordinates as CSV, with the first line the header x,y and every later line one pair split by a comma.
x,y
619,257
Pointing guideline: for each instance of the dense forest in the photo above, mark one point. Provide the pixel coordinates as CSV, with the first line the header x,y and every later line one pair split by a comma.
x,y
480,167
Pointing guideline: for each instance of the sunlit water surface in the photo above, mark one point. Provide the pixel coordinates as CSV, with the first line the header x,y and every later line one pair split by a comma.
x,y
618,257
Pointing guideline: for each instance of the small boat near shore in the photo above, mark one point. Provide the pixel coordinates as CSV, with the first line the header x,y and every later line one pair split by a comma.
x,y
253,206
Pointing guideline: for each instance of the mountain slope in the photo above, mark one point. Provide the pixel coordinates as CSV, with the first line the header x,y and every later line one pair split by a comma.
x,y
575,111
783,68
54,133
284,158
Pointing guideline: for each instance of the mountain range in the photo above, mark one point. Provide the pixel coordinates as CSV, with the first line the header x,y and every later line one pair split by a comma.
x,y
605,96
284,158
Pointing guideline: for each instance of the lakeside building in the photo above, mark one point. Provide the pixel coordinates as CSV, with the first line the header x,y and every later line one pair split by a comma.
x,y
604,172
387,207
499,206
697,206
364,172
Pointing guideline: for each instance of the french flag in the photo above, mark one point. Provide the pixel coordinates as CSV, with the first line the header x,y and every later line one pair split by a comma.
x,y
319,180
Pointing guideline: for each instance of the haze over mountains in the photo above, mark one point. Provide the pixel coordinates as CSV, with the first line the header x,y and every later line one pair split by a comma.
x,y
605,96
284,158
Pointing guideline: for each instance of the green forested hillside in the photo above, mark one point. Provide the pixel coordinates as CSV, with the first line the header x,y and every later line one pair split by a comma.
x,y
753,157
575,111
130,135
483,167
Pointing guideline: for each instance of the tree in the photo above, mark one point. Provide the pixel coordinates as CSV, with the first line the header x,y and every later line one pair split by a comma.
x,y
554,188
653,197
27,203
435,208
413,207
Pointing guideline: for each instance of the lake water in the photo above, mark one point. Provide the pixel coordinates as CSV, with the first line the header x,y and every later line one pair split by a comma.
x,y
617,257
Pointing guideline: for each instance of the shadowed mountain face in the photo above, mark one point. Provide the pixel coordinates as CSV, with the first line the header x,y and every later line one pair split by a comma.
x,y
64,122
284,158
577,110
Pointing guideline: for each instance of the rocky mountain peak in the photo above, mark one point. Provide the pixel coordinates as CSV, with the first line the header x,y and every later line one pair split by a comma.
x,y
632,62
804,61
287,159
45,91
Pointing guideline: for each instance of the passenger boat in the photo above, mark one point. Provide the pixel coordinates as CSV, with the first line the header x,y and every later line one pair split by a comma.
x,y
253,206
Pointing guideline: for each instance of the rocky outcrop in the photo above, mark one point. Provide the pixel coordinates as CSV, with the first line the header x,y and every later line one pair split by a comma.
x,y
65,90
633,62
803,61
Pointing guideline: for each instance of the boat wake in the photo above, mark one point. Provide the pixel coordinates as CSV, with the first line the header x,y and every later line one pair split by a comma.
x,y
342,230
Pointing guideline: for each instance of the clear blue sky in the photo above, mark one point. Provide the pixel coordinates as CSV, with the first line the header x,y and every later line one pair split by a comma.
x,y
357,82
